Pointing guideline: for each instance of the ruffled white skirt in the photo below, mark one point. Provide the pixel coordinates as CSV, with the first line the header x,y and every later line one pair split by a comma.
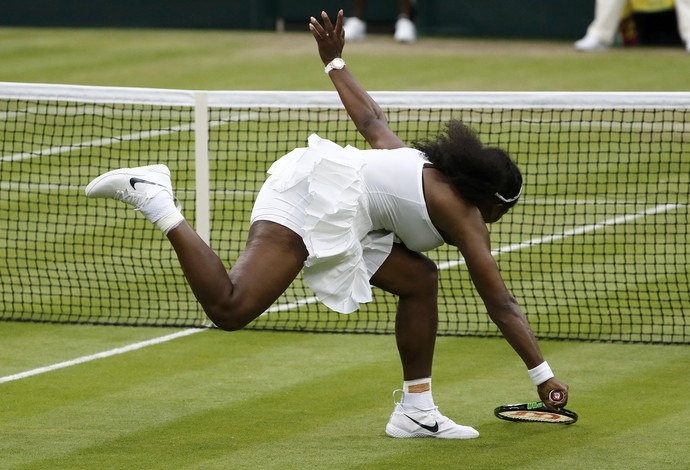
x,y
318,192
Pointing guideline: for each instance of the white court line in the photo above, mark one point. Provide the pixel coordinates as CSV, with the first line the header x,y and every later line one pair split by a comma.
x,y
310,300
94,143
101,355
142,135
572,232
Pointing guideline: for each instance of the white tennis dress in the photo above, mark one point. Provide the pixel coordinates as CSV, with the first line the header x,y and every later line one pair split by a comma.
x,y
349,206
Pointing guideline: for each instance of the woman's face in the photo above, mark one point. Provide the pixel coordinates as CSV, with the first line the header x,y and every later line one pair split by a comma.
x,y
493,213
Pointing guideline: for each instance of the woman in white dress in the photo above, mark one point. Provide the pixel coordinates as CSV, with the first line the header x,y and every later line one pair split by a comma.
x,y
353,218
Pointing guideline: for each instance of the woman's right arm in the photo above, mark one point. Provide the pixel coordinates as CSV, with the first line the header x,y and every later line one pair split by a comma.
x,y
365,113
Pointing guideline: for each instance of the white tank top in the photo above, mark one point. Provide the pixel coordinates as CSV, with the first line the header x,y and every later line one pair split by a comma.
x,y
393,181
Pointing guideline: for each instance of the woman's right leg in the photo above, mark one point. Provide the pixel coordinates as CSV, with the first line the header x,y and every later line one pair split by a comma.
x,y
273,257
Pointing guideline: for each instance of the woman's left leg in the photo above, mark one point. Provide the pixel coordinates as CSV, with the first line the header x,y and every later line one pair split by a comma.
x,y
414,279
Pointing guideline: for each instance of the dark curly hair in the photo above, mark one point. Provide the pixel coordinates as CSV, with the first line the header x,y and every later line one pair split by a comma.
x,y
478,173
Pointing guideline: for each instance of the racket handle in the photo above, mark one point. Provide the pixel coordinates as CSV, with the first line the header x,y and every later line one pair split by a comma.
x,y
556,396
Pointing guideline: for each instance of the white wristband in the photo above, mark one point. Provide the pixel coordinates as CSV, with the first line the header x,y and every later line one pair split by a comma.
x,y
541,373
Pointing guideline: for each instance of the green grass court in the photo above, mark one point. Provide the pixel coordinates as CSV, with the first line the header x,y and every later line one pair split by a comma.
x,y
257,399
291,400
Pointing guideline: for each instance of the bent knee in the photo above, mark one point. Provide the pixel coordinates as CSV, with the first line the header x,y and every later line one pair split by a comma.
x,y
407,274
227,324
427,276
229,318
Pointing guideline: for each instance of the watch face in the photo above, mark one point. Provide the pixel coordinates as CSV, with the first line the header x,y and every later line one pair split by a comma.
x,y
338,63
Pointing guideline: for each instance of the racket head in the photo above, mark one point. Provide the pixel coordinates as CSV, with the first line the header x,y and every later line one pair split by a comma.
x,y
535,412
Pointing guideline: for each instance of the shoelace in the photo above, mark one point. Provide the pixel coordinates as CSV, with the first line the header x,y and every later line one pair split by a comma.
x,y
131,197
139,200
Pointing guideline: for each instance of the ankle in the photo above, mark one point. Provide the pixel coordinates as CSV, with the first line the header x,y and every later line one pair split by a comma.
x,y
417,393
170,221
163,211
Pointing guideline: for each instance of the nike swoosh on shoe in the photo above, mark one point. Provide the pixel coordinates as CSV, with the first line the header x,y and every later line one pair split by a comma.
x,y
134,180
433,428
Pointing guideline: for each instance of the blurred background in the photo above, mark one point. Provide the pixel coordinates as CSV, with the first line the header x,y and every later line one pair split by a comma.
x,y
646,22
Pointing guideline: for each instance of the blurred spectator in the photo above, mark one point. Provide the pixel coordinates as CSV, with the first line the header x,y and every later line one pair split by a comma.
x,y
607,17
405,31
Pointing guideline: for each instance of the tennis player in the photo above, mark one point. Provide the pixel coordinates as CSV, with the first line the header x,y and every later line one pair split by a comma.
x,y
354,218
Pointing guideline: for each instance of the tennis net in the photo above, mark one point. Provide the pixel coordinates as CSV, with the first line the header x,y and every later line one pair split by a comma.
x,y
595,250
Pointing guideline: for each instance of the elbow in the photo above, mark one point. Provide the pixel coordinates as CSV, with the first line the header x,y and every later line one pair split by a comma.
x,y
369,124
377,133
504,311
370,120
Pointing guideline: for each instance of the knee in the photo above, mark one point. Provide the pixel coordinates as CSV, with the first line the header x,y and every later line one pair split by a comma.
x,y
408,274
422,280
231,317
226,323
427,276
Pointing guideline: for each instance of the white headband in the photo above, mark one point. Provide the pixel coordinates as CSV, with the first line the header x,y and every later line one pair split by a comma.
x,y
509,200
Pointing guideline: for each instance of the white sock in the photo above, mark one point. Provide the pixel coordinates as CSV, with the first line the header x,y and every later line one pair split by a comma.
x,y
417,393
162,211
170,221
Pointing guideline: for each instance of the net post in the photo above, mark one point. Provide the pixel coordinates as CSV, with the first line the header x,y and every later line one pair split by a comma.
x,y
202,175
201,167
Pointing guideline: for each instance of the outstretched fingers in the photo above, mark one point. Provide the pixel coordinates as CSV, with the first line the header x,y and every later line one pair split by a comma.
x,y
327,29
328,25
316,28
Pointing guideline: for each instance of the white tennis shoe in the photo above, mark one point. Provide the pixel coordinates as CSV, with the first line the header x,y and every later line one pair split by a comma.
x,y
590,44
405,30
408,421
355,29
147,188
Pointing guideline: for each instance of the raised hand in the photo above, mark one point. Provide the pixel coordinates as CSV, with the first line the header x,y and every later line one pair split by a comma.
x,y
329,38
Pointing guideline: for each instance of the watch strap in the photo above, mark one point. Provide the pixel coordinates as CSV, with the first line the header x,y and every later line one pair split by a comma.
x,y
336,64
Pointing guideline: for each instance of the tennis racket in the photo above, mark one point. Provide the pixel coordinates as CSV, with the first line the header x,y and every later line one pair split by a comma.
x,y
535,412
